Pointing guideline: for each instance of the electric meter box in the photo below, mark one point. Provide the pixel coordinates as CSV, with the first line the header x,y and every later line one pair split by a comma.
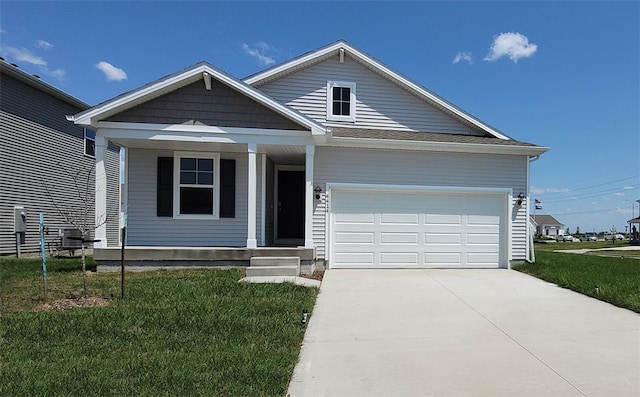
x,y
19,220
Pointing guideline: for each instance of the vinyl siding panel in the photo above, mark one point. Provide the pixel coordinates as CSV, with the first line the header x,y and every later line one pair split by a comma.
x,y
379,103
40,150
145,228
193,104
341,165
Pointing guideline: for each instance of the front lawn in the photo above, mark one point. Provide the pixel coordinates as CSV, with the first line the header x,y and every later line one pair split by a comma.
x,y
551,245
617,279
196,332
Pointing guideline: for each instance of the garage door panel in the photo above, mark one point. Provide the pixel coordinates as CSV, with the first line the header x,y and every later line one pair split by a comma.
x,y
355,258
482,259
403,219
482,220
442,238
482,248
441,259
354,238
444,248
417,229
442,219
349,218
399,258
398,238
483,239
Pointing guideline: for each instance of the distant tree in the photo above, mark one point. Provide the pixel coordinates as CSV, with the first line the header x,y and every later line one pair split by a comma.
x,y
614,231
568,232
578,230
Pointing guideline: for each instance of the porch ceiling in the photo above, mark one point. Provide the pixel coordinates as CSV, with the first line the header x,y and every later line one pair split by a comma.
x,y
284,154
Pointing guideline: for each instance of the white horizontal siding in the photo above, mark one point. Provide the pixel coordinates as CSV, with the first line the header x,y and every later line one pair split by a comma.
x,y
144,227
379,104
342,165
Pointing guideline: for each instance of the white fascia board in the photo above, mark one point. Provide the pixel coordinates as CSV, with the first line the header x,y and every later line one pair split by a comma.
x,y
271,103
88,118
365,59
436,146
424,92
202,133
295,63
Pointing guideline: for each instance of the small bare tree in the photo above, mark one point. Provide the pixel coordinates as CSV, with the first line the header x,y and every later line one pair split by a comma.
x,y
76,211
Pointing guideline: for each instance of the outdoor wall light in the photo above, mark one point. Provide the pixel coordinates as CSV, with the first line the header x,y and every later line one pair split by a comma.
x,y
317,190
520,198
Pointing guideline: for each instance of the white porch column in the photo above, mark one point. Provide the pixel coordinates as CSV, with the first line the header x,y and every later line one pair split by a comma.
x,y
252,148
308,205
100,193
263,200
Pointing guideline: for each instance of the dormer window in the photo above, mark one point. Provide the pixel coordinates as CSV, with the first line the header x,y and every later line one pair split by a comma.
x,y
341,101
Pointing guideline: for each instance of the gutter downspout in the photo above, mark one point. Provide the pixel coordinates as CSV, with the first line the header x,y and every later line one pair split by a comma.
x,y
531,253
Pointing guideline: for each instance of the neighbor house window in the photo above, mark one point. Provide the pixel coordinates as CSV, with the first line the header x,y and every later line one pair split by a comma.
x,y
89,142
341,101
196,190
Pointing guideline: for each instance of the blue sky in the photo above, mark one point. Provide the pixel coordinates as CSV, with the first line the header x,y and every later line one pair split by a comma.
x,y
565,75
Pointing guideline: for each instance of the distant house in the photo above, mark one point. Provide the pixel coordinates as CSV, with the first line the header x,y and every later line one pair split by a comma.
x,y
331,157
547,226
40,151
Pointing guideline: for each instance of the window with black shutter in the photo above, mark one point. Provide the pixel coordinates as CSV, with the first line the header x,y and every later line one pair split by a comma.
x,y
164,203
227,188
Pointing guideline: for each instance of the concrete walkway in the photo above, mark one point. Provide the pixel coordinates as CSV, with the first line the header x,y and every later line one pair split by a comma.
x,y
463,333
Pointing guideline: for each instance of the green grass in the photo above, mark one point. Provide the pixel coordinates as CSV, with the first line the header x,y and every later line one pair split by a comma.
x,y
618,279
550,245
196,332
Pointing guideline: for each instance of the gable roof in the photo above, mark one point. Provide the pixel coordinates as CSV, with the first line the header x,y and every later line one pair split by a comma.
x,y
545,220
35,81
199,71
342,48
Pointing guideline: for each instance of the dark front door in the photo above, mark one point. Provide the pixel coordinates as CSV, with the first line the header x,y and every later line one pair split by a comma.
x,y
290,210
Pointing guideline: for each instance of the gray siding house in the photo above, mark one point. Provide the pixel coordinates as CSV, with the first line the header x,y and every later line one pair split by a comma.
x,y
40,151
547,226
332,157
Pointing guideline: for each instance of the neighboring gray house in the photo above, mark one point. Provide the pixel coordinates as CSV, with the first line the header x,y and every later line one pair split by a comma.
x,y
331,157
547,226
38,148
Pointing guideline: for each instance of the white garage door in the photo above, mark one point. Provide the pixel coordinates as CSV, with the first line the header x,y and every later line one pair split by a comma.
x,y
388,229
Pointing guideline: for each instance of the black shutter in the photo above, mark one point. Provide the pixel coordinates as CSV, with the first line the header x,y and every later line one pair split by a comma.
x,y
227,188
164,204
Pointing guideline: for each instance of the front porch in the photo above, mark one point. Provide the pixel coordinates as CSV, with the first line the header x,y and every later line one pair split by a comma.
x,y
201,256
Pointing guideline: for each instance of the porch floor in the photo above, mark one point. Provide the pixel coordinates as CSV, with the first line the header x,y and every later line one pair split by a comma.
x,y
222,255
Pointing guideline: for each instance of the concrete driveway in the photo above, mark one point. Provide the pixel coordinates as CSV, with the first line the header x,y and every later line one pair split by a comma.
x,y
463,333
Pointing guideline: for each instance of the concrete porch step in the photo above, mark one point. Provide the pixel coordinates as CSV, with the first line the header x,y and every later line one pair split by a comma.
x,y
274,261
278,270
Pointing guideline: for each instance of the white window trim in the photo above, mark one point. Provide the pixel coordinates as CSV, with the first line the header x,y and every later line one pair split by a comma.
x,y
352,101
216,184
85,137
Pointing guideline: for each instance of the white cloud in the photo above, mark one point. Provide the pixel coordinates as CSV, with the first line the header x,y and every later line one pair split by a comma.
x,y
463,56
259,51
24,55
58,73
512,45
111,72
45,45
